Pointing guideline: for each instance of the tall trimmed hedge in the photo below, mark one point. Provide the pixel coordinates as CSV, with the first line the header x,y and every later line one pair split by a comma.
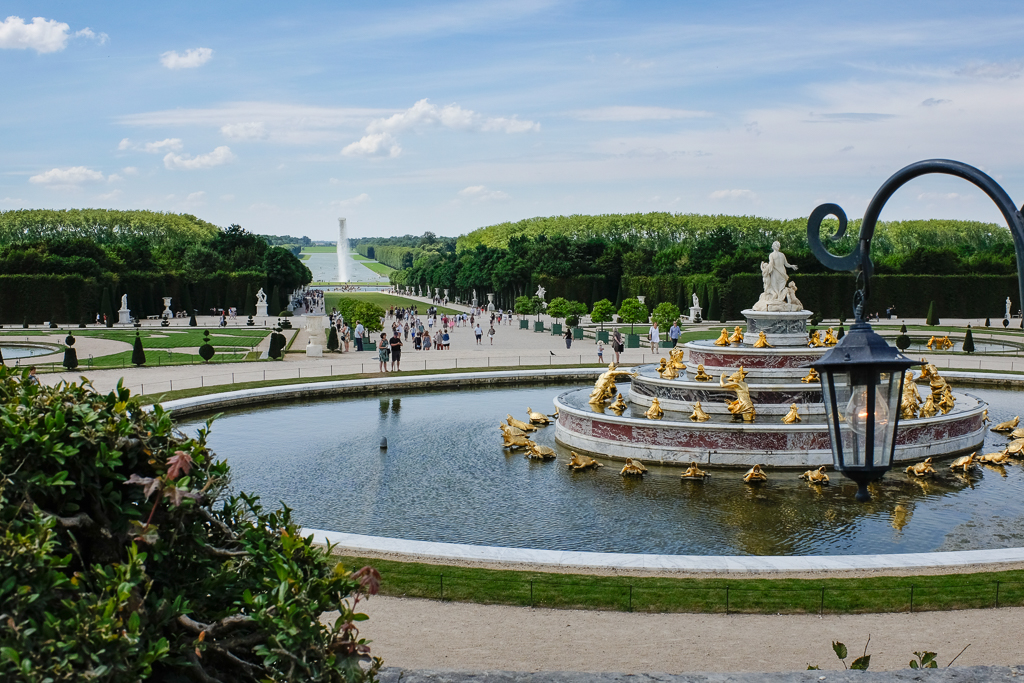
x,y
396,257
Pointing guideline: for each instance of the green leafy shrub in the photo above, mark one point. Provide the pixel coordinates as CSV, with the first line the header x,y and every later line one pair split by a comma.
x,y
603,312
124,557
632,312
525,305
665,314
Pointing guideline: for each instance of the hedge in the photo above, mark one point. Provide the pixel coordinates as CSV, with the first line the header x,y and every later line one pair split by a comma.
x,y
399,258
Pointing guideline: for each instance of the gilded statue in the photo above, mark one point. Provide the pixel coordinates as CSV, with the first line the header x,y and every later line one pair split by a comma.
x,y
510,430
619,406
537,418
922,469
582,462
940,343
633,468
519,424
817,476
698,414
793,416
755,475
737,335
812,376
1000,458
1017,433
929,409
723,339
830,338
536,452
702,376
942,394
963,464
655,412
514,441
694,473
675,358
984,416
947,402
815,339
762,342
1007,426
667,370
604,388
911,401
742,406
1015,448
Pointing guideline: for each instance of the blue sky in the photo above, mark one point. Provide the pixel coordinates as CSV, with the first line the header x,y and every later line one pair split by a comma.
x,y
411,116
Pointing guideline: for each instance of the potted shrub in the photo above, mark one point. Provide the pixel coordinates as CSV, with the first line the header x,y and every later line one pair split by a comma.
x,y
632,312
557,309
604,311
524,306
577,309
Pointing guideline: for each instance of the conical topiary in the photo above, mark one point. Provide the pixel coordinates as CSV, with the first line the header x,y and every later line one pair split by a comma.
x,y
988,322
138,353
841,332
70,355
206,351
192,320
968,340
933,319
332,339
903,341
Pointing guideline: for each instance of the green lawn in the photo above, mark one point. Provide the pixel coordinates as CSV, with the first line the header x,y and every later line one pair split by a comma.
x,y
319,250
383,300
161,338
649,594
358,257
379,268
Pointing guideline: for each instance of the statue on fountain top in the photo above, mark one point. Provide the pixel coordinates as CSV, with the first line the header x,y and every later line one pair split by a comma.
x,y
779,293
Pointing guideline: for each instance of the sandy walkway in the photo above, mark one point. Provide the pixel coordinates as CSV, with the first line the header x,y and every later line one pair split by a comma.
x,y
425,634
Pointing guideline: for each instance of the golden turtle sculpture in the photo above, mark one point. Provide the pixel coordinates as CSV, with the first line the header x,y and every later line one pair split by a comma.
x,y
723,339
510,430
793,416
519,424
694,473
1017,433
619,406
537,418
655,412
817,476
702,376
812,376
1007,426
633,468
755,475
1015,448
537,452
762,342
698,414
582,462
737,335
964,464
921,469
1000,458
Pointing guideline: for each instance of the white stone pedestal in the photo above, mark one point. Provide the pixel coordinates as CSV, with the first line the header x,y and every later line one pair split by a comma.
x,y
261,310
314,350
124,317
695,314
781,328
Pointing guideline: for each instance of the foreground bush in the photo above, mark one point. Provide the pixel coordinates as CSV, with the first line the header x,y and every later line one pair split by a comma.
x,y
123,557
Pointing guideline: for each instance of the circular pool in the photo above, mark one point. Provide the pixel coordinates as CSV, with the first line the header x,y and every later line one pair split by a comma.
x,y
12,351
446,478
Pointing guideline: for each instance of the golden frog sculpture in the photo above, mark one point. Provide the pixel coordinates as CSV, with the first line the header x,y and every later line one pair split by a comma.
x,y
817,476
515,441
694,473
929,409
604,387
723,339
619,406
762,342
911,401
667,370
812,376
830,338
815,339
519,424
755,475
737,335
537,418
675,358
633,468
582,462
793,416
537,452
964,464
698,414
1007,426
1001,458
742,407
702,376
921,469
655,412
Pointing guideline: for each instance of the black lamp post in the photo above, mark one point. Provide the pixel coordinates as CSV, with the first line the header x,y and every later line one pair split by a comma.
x,y
862,376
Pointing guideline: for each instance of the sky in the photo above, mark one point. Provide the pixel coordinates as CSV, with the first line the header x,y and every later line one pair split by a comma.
x,y
405,117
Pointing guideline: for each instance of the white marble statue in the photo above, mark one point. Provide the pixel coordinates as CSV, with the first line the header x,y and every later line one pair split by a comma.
x,y
124,302
540,292
1008,305
261,297
696,300
777,295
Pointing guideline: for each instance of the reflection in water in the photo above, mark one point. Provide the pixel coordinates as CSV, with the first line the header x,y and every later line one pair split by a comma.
x,y
445,477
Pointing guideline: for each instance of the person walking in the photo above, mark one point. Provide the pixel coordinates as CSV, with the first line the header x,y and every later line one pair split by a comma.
x,y
600,352
673,333
446,340
479,335
360,331
396,352
617,346
490,334
568,338
654,336
383,352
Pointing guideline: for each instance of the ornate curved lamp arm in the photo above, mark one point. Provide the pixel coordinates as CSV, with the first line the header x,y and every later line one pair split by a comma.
x,y
859,260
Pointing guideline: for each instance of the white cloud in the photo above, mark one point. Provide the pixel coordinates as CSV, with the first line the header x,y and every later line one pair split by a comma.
x,y
184,162
158,147
63,177
637,114
130,170
732,194
228,197
114,194
480,193
190,60
196,198
124,144
992,70
11,200
934,102
42,35
244,131
375,143
87,32
113,178
352,201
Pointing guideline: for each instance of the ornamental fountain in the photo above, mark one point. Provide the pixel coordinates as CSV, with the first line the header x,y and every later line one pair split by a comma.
x,y
750,398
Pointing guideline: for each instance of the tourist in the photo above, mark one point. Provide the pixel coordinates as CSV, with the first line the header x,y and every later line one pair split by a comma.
x,y
654,336
396,352
405,331
417,343
383,352
673,333
568,337
600,351
426,340
479,335
32,378
617,346
446,340
344,335
490,334
437,340
360,331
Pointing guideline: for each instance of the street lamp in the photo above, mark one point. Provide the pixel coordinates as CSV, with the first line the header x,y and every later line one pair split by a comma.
x,y
862,376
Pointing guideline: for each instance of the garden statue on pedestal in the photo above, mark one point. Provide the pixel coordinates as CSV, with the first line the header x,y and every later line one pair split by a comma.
x,y
695,309
779,293
124,315
168,313
261,303
1008,304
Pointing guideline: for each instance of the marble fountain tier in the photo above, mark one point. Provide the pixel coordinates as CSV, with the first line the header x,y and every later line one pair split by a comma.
x,y
775,377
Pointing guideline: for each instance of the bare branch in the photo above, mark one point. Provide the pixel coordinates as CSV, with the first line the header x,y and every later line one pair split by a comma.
x,y
192,624
198,668
217,522
79,521
222,552
230,656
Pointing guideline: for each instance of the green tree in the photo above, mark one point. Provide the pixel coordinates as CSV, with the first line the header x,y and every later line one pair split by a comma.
x,y
138,353
665,314
632,311
577,309
603,312
105,309
558,308
526,305
249,307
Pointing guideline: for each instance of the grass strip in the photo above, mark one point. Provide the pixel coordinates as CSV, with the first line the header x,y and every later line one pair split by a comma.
x,y
383,300
656,594
379,268
319,250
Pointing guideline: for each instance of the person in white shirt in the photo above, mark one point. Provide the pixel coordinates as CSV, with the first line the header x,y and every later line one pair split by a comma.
x,y
359,335
655,336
